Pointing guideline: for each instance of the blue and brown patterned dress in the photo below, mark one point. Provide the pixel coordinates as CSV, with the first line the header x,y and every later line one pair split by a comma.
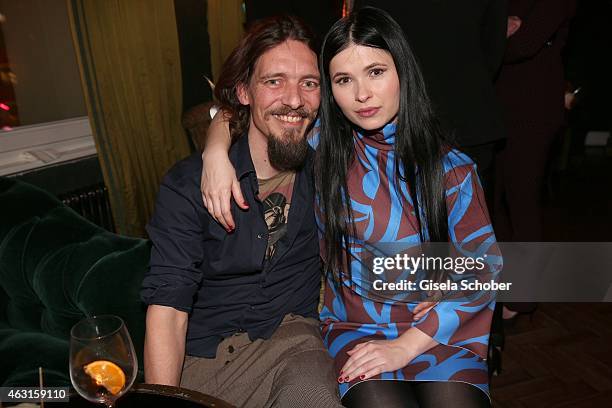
x,y
383,215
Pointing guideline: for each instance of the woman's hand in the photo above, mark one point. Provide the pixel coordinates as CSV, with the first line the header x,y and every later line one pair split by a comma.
x,y
218,182
371,358
374,357
218,185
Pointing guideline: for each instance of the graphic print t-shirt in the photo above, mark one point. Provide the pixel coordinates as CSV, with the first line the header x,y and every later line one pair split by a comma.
x,y
275,194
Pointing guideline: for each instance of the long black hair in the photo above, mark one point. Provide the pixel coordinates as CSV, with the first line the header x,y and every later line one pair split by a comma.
x,y
419,139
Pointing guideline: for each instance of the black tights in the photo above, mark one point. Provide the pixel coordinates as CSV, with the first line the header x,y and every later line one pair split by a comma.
x,y
415,394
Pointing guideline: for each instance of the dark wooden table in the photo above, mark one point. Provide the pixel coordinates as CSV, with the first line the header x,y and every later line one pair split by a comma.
x,y
151,396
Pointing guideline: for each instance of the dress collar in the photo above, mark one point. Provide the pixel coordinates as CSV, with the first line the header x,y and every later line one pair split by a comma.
x,y
381,139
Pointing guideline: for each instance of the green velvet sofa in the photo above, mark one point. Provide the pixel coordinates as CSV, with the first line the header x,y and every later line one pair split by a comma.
x,y
55,269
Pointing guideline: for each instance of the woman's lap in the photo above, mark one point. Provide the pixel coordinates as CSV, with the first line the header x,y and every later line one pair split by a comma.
x,y
417,394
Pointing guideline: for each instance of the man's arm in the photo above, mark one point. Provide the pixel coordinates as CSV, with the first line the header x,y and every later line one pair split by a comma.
x,y
164,348
176,231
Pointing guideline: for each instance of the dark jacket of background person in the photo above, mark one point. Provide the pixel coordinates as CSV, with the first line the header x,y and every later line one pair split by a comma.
x,y
459,45
531,84
531,88
588,65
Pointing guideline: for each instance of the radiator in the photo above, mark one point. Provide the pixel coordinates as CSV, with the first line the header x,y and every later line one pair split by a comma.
x,y
92,203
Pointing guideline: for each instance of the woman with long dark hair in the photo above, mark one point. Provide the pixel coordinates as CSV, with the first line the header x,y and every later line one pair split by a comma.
x,y
387,182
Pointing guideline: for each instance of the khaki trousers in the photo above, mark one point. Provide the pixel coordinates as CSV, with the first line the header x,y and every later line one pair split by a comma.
x,y
291,369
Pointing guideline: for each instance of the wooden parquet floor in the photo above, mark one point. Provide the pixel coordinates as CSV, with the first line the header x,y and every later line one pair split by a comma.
x,y
563,356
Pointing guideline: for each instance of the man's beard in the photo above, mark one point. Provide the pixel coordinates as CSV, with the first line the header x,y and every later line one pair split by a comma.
x,y
288,151
285,153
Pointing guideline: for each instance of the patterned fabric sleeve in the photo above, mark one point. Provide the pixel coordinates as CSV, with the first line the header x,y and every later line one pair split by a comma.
x,y
466,323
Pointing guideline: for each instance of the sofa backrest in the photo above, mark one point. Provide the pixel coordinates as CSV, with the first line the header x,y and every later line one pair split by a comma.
x,y
57,268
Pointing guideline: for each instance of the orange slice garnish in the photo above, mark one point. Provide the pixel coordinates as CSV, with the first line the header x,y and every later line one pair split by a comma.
x,y
106,374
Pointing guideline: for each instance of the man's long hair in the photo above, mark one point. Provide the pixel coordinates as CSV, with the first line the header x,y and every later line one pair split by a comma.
x,y
238,68
419,140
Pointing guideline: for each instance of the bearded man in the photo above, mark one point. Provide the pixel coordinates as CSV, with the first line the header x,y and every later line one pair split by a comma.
x,y
235,315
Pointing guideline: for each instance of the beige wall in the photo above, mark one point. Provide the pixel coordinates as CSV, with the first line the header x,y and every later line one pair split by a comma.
x,y
40,53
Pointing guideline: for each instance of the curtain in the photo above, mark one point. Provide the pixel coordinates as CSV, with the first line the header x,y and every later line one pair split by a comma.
x,y
225,29
128,56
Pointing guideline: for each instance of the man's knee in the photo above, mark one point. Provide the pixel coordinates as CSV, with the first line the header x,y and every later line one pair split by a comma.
x,y
307,379
307,395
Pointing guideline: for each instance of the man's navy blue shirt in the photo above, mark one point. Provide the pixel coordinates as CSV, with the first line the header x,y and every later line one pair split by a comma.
x,y
223,281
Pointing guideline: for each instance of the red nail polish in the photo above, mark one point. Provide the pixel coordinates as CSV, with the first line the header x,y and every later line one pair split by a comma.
x,y
346,379
339,379
362,377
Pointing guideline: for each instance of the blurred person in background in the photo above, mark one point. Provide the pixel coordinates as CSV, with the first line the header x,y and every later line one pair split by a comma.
x,y
531,87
